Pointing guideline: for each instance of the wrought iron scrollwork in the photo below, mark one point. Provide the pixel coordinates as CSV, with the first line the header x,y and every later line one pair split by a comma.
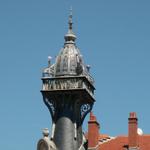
x,y
85,109
50,105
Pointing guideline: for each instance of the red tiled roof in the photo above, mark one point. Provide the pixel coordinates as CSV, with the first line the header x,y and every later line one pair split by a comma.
x,y
102,136
119,142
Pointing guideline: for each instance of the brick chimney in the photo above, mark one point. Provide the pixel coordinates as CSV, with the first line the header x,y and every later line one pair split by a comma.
x,y
93,131
132,135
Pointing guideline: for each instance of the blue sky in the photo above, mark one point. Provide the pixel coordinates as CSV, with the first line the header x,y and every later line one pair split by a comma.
x,y
114,38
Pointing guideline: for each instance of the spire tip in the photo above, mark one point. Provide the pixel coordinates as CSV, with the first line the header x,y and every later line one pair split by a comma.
x,y
70,36
70,19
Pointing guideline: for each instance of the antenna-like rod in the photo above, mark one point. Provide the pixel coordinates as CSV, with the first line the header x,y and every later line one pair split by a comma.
x,y
70,19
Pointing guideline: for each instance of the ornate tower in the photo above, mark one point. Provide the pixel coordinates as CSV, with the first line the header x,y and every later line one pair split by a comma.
x,y
68,92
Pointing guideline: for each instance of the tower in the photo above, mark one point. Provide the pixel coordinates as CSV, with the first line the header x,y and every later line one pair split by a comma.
x,y
68,92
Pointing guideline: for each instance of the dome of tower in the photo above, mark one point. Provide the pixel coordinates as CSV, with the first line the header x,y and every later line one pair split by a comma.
x,y
69,61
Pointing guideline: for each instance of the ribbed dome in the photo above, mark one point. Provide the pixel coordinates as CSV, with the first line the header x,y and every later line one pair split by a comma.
x,y
69,61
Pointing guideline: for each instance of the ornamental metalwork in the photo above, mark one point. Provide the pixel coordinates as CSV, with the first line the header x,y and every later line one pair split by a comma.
x,y
85,109
68,92
50,105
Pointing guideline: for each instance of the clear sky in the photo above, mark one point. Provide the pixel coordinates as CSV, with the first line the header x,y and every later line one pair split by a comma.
x,y
114,38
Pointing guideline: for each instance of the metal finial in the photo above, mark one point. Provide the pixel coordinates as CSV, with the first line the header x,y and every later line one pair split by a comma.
x,y
70,19
71,10
70,36
45,132
49,61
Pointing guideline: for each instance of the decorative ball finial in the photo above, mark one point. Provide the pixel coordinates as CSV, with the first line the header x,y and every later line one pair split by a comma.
x,y
88,68
49,61
49,57
45,132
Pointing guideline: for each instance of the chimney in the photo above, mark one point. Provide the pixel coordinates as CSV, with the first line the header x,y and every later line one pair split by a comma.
x,y
132,129
93,131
